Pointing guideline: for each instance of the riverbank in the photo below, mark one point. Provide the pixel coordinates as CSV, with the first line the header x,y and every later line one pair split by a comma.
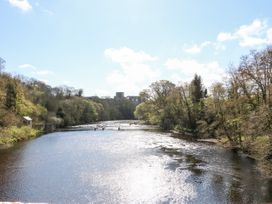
x,y
257,150
10,135
13,134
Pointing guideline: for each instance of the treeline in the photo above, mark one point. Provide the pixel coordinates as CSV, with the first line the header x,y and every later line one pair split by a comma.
x,y
121,109
238,110
50,107
65,106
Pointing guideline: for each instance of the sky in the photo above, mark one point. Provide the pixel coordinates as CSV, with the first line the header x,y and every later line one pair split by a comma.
x,y
105,46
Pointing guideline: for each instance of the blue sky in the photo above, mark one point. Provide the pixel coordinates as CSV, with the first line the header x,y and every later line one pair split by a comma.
x,y
104,46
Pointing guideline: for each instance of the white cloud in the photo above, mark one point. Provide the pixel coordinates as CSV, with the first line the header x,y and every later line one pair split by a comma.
x,y
186,69
254,29
195,49
127,55
24,5
269,36
225,37
252,41
27,66
254,34
135,72
219,46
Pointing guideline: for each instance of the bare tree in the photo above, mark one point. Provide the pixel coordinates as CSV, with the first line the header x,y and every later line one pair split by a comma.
x,y
256,70
2,64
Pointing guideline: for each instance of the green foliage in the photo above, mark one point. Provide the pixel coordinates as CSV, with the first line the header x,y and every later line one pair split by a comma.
x,y
77,111
197,91
59,106
146,112
11,95
51,107
156,108
240,109
111,109
15,134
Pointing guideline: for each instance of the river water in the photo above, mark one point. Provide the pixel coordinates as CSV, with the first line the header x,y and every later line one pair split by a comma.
x,y
127,166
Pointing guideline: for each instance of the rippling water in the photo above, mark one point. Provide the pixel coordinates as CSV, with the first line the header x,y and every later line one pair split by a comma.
x,y
132,166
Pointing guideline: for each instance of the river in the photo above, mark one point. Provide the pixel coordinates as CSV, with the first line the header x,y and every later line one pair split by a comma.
x,y
127,166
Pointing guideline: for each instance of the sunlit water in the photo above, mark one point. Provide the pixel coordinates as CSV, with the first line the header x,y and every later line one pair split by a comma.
x,y
131,166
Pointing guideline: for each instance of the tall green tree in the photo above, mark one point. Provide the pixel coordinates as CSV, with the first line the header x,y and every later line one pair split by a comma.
x,y
197,90
11,96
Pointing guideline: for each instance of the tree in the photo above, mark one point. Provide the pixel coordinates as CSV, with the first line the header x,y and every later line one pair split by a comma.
x,y
191,124
197,94
60,113
256,70
197,91
159,91
240,109
89,114
144,96
79,92
144,112
2,64
11,95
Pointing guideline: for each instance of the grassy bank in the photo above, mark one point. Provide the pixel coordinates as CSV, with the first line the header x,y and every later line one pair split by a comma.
x,y
15,134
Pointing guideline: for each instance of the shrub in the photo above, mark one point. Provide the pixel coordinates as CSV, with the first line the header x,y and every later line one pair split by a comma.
x,y
15,134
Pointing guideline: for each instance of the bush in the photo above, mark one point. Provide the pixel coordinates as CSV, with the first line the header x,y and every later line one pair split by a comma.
x,y
259,146
15,134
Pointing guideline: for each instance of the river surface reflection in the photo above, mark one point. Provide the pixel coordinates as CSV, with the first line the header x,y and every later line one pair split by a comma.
x,y
132,166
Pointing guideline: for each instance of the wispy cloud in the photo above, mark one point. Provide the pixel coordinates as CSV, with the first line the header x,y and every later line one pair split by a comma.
x,y
255,34
43,72
269,36
222,37
33,70
24,5
48,12
197,48
186,69
27,66
135,71
126,55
